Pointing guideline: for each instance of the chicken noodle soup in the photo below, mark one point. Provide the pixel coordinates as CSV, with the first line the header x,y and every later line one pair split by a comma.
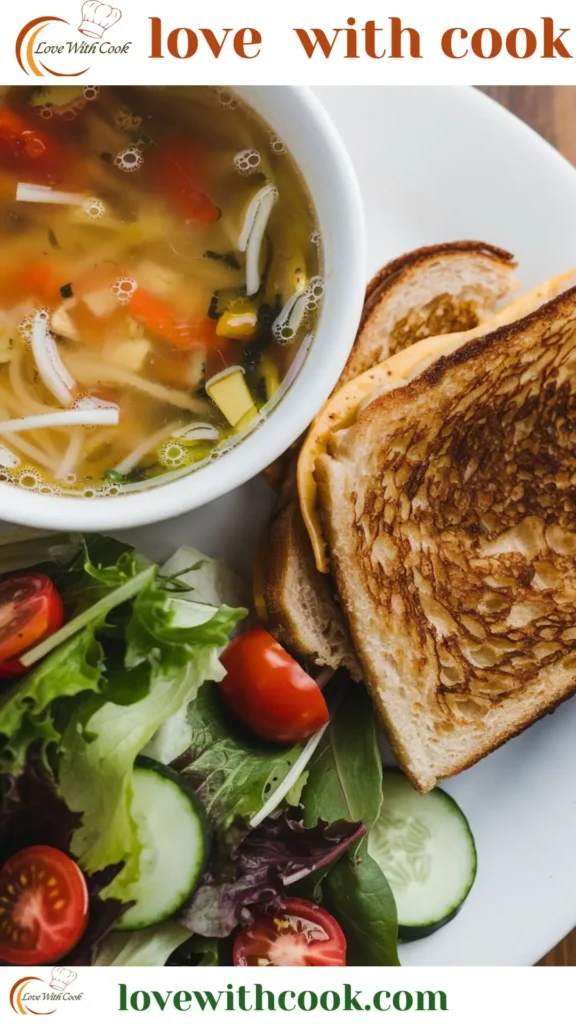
x,y
161,279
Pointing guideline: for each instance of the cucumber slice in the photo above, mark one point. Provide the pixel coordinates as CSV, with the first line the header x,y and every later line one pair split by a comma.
x,y
174,834
424,846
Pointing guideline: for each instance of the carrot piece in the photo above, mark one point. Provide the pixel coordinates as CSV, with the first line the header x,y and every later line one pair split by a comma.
x,y
160,320
206,333
38,279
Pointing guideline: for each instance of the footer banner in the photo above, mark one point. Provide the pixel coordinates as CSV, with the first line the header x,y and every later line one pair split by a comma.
x,y
464,994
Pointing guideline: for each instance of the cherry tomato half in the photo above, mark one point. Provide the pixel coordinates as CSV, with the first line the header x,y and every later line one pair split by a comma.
x,y
269,692
30,610
299,935
44,906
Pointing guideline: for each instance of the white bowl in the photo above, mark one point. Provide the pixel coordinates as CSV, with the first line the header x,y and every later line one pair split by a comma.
x,y
301,122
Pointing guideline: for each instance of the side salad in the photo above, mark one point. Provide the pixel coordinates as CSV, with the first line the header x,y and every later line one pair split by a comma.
x,y
176,789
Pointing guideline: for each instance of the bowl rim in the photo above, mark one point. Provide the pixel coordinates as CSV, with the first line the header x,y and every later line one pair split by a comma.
x,y
346,282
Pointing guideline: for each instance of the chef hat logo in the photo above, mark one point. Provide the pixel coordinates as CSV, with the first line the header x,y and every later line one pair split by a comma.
x,y
61,978
97,18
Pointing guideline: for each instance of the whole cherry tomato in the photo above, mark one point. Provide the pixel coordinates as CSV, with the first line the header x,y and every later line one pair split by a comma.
x,y
268,690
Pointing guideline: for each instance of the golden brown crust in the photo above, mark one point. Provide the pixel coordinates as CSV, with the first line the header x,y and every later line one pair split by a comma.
x,y
545,316
471,757
384,278
450,509
277,563
448,308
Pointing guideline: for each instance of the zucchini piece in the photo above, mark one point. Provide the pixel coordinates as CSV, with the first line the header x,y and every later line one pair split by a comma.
x,y
425,847
271,377
175,838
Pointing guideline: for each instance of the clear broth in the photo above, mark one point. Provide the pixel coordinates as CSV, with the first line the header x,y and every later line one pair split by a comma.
x,y
132,257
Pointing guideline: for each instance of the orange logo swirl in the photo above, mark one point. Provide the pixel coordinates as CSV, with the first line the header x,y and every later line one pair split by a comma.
x,y
16,998
26,43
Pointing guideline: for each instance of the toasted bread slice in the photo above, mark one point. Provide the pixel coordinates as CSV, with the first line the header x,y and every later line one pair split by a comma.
x,y
432,291
454,284
341,409
440,289
301,608
450,509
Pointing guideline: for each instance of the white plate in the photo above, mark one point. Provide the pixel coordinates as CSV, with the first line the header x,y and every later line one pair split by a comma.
x,y
436,165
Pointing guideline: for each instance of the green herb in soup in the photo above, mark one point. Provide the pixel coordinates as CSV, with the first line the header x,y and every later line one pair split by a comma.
x,y
159,284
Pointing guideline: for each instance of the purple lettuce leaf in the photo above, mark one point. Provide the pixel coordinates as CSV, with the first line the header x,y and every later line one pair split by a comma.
x,y
103,915
277,854
32,814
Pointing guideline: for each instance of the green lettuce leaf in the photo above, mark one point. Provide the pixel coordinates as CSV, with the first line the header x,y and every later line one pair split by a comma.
x,y
358,895
102,574
345,781
193,577
98,754
150,947
175,654
126,567
94,615
198,952
171,740
100,562
345,774
166,628
33,711
233,773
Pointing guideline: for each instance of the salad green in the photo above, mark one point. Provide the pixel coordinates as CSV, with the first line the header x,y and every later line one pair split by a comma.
x,y
98,752
135,671
358,894
150,947
28,713
233,772
342,784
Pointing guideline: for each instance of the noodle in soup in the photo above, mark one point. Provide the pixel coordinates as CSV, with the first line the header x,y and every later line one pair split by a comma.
x,y
160,283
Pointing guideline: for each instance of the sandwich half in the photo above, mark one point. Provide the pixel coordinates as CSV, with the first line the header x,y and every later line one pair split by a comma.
x,y
435,290
450,514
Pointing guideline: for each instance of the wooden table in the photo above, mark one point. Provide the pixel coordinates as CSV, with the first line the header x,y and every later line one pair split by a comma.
x,y
551,110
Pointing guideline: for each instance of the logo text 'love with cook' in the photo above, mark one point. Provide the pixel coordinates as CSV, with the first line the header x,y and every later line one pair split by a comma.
x,y
43,45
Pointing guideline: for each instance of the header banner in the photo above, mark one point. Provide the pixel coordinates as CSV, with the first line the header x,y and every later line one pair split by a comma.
x,y
400,42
